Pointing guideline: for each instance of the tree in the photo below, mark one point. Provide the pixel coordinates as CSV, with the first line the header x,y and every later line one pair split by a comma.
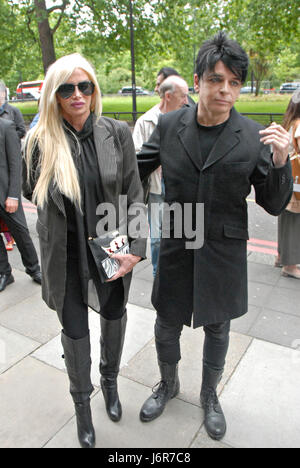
x,y
263,28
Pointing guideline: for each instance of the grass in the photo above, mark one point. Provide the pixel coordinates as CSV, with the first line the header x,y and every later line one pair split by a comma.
x,y
114,104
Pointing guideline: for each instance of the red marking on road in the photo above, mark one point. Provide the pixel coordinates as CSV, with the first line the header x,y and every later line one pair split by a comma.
x,y
29,207
252,248
265,246
263,242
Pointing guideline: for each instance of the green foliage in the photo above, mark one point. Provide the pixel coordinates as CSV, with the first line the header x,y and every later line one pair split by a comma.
x,y
167,33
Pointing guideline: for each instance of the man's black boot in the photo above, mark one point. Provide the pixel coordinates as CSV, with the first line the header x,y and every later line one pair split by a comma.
x,y
167,389
214,421
111,341
77,354
6,280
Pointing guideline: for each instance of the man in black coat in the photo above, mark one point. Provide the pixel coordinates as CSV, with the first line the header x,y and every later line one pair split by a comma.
x,y
11,210
210,157
9,112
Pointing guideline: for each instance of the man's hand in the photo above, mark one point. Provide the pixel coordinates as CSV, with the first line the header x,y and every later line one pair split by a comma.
x,y
279,138
11,205
127,263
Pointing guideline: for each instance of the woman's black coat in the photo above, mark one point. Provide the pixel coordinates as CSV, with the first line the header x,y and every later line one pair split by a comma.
x,y
118,173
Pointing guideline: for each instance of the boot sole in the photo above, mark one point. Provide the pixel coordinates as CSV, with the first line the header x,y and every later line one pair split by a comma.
x,y
145,420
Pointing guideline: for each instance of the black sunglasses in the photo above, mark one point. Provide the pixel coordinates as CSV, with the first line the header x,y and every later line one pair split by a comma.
x,y
67,89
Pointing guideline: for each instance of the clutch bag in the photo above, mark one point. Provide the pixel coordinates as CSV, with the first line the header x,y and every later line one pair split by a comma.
x,y
103,247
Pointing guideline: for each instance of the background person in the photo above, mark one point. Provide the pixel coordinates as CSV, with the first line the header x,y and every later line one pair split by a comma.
x,y
9,112
210,155
12,113
11,209
289,220
77,160
173,92
163,74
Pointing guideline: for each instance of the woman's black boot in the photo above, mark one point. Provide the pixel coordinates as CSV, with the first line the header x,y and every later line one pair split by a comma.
x,y
167,389
214,420
77,354
111,341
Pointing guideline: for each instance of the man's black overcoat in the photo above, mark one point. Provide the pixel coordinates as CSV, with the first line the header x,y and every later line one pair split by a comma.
x,y
10,169
210,283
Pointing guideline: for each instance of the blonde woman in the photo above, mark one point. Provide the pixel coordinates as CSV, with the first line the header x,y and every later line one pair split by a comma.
x,y
75,161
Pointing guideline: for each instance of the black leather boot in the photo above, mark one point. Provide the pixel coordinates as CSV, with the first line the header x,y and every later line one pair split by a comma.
x,y
168,388
77,354
112,341
214,421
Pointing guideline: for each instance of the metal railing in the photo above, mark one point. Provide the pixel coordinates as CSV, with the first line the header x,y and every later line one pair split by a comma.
x,y
262,118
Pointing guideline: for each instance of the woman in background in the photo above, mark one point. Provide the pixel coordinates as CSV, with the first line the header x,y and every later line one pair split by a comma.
x,y
289,220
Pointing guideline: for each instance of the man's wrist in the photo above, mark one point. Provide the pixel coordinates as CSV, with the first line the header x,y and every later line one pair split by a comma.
x,y
279,166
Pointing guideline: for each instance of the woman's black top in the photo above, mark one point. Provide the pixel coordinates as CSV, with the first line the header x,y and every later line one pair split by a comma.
x,y
82,224
86,162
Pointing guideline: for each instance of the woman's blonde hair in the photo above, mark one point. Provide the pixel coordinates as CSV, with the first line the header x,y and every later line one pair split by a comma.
x,y
55,159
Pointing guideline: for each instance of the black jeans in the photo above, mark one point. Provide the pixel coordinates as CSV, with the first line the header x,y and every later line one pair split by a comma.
x,y
24,243
167,338
75,311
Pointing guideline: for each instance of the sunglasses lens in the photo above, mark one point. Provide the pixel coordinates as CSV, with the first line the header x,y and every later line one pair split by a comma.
x,y
86,87
66,90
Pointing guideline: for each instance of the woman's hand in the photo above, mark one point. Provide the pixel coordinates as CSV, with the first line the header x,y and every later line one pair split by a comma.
x,y
127,263
11,205
279,138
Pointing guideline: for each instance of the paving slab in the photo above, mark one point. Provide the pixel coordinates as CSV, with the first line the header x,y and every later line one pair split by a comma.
x,y
34,404
139,332
17,292
261,401
13,348
289,283
262,273
258,293
243,324
283,300
143,367
140,293
178,425
203,441
276,327
32,318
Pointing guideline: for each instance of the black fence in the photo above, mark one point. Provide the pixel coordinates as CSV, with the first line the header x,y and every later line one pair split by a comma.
x,y
262,118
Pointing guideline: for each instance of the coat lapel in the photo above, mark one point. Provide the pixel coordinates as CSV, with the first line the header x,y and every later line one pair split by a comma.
x,y
189,137
106,153
228,139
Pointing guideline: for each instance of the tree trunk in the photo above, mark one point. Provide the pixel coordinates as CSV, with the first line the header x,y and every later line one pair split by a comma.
x,y
45,33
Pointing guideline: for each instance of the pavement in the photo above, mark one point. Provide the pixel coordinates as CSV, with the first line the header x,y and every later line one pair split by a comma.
x,y
259,392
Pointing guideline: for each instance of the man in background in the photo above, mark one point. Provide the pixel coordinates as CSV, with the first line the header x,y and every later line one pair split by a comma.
x,y
11,210
173,92
9,112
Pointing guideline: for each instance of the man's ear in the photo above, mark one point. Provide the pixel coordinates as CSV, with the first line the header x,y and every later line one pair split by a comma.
x,y
168,95
196,83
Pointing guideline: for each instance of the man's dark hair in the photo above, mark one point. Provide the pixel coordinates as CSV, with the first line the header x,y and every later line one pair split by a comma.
x,y
220,47
167,71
